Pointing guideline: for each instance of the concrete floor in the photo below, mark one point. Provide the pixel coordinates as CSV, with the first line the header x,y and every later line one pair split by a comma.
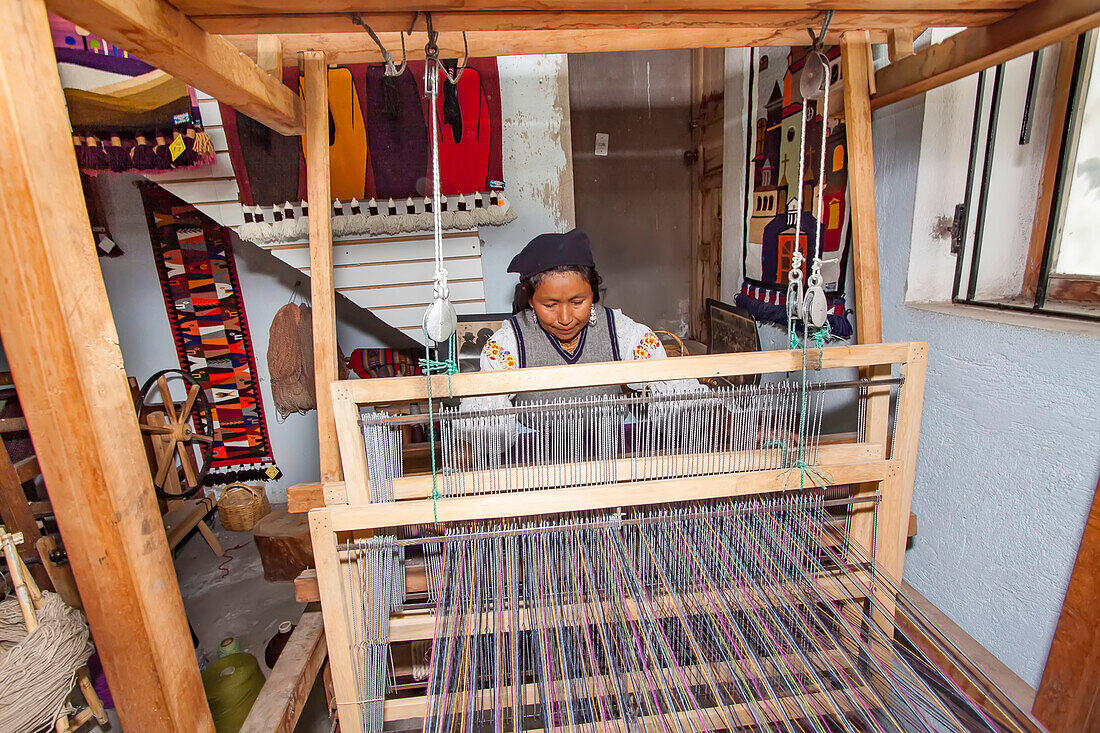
x,y
228,596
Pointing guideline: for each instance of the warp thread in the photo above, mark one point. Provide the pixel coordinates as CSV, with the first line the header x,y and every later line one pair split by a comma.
x,y
37,670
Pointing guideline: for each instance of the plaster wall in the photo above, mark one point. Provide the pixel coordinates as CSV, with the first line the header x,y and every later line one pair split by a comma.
x,y
1008,460
538,165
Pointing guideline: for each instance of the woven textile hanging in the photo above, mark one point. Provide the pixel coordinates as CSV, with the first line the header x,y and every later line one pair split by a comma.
x,y
202,294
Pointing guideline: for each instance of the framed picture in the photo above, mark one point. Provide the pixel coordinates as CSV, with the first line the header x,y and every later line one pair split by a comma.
x,y
732,331
473,332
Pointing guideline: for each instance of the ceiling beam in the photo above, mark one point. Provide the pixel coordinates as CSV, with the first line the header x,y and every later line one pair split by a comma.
x,y
314,22
254,7
351,48
1030,28
161,35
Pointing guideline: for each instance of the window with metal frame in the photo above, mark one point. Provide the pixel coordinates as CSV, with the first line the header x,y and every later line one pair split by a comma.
x,y
1061,274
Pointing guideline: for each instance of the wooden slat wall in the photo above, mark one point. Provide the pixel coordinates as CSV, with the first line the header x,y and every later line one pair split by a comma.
x,y
392,276
213,189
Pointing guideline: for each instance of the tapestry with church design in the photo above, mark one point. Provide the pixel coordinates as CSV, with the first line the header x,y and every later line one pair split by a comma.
x,y
775,116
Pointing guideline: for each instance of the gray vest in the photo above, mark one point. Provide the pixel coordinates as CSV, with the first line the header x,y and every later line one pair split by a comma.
x,y
538,348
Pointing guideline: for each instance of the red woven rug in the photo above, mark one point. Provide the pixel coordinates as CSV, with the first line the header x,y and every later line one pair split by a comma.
x,y
206,311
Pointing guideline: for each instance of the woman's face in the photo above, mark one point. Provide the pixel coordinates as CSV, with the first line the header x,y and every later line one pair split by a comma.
x,y
562,303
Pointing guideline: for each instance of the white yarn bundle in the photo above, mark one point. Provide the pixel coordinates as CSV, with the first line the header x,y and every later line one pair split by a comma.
x,y
37,670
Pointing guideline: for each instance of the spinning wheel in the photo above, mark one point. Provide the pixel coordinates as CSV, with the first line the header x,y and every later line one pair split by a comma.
x,y
175,413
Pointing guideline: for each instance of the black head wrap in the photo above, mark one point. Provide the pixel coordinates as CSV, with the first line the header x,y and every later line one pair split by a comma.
x,y
547,251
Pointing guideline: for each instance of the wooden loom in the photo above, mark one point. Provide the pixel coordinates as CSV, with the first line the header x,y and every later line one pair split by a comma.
x,y
54,312
846,460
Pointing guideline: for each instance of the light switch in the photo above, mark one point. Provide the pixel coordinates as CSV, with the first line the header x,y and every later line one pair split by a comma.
x,y
601,143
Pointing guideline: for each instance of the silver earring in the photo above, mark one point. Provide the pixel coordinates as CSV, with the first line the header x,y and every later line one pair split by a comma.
x,y
592,316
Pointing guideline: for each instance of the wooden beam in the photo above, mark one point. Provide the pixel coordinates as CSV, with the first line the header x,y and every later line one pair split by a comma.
x,y
1048,178
900,43
163,36
283,696
15,511
856,71
1034,26
269,55
372,7
1066,700
62,345
351,48
322,294
790,23
391,390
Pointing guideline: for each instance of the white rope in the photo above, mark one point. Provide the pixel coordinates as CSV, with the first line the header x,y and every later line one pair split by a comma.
x,y
37,670
440,277
797,299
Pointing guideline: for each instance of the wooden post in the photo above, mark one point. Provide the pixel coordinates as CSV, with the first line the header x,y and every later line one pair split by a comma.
x,y
62,345
321,289
1066,700
854,58
856,68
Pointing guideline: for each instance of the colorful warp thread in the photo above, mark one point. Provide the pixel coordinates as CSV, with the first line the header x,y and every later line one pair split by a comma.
x,y
206,311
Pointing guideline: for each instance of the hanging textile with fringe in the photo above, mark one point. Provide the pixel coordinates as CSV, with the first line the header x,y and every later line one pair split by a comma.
x,y
379,134
205,307
775,116
289,222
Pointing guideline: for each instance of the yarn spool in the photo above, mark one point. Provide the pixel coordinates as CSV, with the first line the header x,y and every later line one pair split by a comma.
x,y
232,685
230,645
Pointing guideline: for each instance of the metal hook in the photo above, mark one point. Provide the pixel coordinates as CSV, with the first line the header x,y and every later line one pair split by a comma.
x,y
431,51
387,59
818,40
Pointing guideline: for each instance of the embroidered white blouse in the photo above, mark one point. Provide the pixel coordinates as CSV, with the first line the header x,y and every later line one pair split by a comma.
x,y
637,342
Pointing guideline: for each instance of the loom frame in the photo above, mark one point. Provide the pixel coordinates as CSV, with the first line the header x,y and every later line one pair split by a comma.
x,y
57,322
867,464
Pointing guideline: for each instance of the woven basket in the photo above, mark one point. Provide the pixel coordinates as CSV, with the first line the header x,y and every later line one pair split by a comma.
x,y
680,349
242,506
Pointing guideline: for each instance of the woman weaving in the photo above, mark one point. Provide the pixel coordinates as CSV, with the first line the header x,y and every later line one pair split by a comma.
x,y
558,321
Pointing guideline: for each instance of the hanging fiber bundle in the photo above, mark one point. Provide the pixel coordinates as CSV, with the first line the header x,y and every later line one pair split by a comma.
x,y
303,221
248,231
203,147
142,155
188,157
37,670
339,219
356,223
391,225
463,217
164,155
290,365
373,222
118,158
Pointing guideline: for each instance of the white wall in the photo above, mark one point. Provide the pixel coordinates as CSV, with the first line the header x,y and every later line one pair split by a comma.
x,y
538,167
1008,463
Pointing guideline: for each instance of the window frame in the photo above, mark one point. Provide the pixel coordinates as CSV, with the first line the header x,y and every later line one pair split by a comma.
x,y
1048,292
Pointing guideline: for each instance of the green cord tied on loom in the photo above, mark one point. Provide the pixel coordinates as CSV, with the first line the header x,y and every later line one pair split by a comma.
x,y
429,367
818,337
